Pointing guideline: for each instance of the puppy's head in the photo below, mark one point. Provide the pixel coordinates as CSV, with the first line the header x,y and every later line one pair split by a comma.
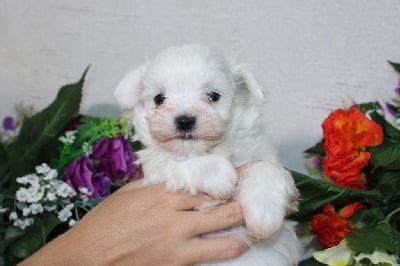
x,y
183,100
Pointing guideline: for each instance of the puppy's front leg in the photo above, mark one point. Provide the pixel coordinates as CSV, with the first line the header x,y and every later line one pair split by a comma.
x,y
211,174
267,193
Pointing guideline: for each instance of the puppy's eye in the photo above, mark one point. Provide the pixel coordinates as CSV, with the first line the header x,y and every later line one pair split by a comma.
x,y
159,99
213,96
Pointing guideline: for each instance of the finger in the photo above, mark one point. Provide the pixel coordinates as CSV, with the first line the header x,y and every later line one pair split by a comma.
x,y
183,201
221,217
213,249
179,200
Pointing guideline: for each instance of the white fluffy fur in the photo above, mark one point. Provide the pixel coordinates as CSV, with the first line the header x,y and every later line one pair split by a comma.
x,y
228,134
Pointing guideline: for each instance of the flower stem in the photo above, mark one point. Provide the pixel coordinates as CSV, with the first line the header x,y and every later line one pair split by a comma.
x,y
390,215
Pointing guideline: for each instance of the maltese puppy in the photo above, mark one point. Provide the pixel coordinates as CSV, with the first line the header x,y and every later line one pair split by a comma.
x,y
200,119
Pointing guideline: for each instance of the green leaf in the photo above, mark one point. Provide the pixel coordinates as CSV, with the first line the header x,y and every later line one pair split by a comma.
x,y
137,145
3,152
389,182
388,130
310,262
317,149
21,244
371,238
369,106
386,155
396,241
315,193
396,66
4,166
368,216
42,128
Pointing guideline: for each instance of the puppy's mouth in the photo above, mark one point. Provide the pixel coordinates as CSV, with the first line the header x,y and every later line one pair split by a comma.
x,y
189,136
185,136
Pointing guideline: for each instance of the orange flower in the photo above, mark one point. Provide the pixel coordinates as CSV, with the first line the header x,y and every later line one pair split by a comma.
x,y
347,134
330,227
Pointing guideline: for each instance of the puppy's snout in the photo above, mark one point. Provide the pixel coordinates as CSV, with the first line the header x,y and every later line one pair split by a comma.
x,y
185,123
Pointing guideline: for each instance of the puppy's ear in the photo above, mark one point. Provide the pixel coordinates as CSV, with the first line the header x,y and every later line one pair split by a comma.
x,y
128,90
246,84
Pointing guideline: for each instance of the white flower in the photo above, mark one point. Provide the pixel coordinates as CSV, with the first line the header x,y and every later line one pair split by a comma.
x,y
42,169
64,214
22,180
13,216
85,193
72,222
34,195
85,190
3,210
340,255
50,208
23,223
33,180
26,211
69,137
22,194
64,190
84,197
54,183
377,258
36,208
51,175
87,148
31,194
51,196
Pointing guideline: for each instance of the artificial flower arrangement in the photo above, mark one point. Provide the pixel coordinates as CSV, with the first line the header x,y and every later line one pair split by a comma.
x,y
55,166
354,209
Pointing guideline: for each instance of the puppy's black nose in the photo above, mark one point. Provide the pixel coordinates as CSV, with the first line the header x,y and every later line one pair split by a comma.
x,y
185,123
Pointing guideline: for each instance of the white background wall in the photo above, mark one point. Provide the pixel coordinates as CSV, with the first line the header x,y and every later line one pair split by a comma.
x,y
307,53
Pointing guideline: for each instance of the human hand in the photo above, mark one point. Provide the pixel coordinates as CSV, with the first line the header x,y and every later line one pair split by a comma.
x,y
146,226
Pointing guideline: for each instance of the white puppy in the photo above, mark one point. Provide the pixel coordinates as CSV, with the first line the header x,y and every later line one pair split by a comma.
x,y
200,117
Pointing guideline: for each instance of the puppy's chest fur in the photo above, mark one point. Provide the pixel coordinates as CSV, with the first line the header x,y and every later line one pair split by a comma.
x,y
192,172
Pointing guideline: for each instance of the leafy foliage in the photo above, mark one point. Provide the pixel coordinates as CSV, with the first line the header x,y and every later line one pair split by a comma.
x,y
315,193
37,141
91,129
37,135
59,166
379,223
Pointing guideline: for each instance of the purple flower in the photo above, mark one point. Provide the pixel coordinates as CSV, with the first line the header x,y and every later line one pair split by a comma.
x,y
101,184
9,123
81,174
115,157
391,109
317,163
397,89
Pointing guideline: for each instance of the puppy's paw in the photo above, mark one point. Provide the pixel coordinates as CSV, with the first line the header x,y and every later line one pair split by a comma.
x,y
264,194
261,221
220,178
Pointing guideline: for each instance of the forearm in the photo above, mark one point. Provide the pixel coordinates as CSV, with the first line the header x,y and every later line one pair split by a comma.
x,y
61,251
